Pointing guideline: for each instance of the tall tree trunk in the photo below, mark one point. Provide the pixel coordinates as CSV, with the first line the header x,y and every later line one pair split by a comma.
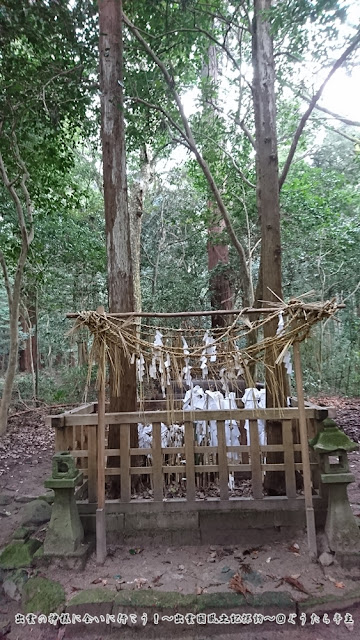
x,y
23,207
28,355
221,295
14,312
218,253
267,185
136,210
117,223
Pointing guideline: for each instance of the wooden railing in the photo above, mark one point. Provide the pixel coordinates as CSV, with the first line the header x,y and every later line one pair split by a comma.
x,y
191,463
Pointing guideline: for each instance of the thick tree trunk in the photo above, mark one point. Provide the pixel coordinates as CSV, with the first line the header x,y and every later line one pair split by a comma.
x,y
269,210
220,290
117,223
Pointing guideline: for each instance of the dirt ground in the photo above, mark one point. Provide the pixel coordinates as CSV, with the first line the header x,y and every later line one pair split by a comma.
x,y
25,462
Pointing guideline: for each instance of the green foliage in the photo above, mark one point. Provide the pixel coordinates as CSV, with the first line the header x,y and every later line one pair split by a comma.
x,y
174,260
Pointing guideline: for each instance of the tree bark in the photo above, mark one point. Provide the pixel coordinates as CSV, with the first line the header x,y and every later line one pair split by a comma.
x,y
136,210
267,189
117,222
26,228
218,252
221,295
14,310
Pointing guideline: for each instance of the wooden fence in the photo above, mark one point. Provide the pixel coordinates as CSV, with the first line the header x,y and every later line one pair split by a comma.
x,y
191,463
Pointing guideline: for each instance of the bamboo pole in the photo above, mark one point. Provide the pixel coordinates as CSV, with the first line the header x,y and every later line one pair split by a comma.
x,y
310,516
193,314
100,511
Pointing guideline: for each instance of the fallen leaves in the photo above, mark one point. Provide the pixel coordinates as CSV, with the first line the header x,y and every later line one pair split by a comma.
x,y
200,590
156,581
253,552
102,581
293,582
338,584
25,439
236,584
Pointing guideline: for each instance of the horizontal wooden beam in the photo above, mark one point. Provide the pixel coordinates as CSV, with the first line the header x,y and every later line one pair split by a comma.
x,y
149,417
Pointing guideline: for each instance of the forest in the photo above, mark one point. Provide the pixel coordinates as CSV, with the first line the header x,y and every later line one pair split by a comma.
x,y
188,161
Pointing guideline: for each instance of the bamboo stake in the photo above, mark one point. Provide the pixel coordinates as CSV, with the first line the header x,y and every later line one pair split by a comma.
x,y
310,516
100,511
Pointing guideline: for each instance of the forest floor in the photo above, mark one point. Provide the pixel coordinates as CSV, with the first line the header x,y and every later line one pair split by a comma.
x,y
25,462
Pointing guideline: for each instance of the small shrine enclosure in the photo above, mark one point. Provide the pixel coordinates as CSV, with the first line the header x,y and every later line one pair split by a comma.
x,y
190,487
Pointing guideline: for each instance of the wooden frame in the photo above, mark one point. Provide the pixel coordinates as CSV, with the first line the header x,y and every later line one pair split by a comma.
x,y
69,424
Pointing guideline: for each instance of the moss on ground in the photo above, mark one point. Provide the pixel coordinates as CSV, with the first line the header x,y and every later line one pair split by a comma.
x,y
19,554
92,596
41,595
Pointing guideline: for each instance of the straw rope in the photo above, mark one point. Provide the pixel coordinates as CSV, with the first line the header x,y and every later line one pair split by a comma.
x,y
172,359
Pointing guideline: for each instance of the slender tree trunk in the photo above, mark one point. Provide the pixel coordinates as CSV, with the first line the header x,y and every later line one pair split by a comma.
x,y
14,312
117,223
24,214
218,253
267,185
136,210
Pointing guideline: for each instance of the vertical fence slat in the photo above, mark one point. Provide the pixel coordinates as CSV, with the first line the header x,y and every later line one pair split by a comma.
x,y
57,423
289,462
125,462
73,440
92,463
223,462
256,473
190,462
157,462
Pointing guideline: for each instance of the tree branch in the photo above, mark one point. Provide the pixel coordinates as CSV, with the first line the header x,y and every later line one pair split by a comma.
x,y
236,166
312,105
209,35
351,123
165,113
188,135
58,75
249,136
6,278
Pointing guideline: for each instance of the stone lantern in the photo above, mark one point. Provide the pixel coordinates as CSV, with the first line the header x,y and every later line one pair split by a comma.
x,y
341,528
65,533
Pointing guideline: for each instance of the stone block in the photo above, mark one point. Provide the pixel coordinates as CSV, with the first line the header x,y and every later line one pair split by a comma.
x,y
19,554
41,595
171,521
23,533
95,602
14,584
65,532
35,512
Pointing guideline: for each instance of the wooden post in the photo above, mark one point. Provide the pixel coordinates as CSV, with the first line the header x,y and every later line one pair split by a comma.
x,y
100,511
289,462
223,461
310,516
92,466
256,473
157,462
125,495
190,463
